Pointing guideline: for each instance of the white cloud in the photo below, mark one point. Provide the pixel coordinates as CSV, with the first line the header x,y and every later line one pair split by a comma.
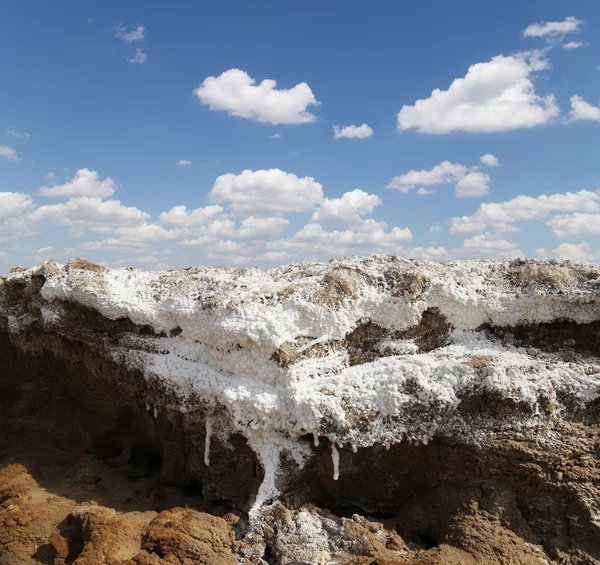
x,y
265,192
84,183
275,136
494,96
424,192
487,242
112,244
524,209
348,209
473,184
141,233
582,110
553,31
443,173
129,34
235,92
573,45
183,163
138,58
261,228
575,225
352,132
489,160
13,204
435,229
44,250
11,130
8,153
50,175
369,236
87,212
575,252
179,216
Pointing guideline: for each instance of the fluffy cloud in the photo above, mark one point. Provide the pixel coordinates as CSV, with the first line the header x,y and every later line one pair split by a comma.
x,y
553,31
582,110
183,163
494,96
575,252
275,136
8,153
489,160
370,236
84,183
487,242
352,132
444,173
87,211
261,228
179,216
235,92
575,225
348,209
473,184
524,209
14,204
129,34
424,192
573,45
138,58
266,193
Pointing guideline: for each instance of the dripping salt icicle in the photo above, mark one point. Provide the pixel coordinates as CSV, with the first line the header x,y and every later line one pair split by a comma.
x,y
335,457
209,423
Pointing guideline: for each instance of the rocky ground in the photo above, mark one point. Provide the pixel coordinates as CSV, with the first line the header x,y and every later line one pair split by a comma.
x,y
368,411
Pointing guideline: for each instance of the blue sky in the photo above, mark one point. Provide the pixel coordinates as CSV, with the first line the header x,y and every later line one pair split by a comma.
x,y
116,94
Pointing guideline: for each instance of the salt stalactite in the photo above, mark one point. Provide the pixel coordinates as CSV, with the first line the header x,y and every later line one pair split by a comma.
x,y
209,425
316,439
354,448
155,412
147,407
335,457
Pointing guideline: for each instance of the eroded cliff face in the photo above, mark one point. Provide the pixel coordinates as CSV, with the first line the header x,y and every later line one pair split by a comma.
x,y
369,410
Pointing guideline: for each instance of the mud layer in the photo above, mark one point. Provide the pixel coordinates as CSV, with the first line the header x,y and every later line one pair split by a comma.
x,y
106,458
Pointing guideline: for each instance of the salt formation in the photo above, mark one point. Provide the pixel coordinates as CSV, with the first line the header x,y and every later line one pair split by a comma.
x,y
366,351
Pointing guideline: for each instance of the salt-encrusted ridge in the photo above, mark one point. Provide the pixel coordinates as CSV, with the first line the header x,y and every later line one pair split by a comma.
x,y
219,331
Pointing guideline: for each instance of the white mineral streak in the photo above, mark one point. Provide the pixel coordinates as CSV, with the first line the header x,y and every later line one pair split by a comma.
x,y
209,425
335,459
227,324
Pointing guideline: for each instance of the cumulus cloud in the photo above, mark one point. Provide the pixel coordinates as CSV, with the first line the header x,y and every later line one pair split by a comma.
x,y
352,132
573,45
425,192
8,153
348,209
138,58
179,217
575,225
369,236
183,163
489,160
275,136
261,228
524,209
575,252
473,184
14,204
266,192
494,96
129,34
553,31
235,92
582,110
487,242
12,131
444,173
84,183
88,211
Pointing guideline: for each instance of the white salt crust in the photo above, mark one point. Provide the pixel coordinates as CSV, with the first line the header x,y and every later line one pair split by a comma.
x,y
230,322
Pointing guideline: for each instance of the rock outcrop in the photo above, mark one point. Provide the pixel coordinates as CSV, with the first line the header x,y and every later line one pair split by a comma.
x,y
369,410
